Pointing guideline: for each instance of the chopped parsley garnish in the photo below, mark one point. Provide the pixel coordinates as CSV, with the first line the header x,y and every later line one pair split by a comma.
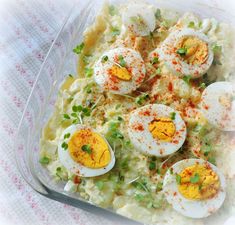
x,y
178,179
173,114
78,49
122,62
152,165
66,136
87,149
105,59
115,31
64,145
89,72
154,60
182,51
195,178
44,160
157,14
187,79
99,184
70,75
191,24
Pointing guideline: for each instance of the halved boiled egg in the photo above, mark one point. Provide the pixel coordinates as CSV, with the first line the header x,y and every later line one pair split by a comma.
x,y
186,52
120,71
195,188
156,129
85,152
218,105
139,19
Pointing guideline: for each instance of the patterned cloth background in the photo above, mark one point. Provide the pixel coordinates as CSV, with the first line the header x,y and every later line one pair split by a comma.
x,y
27,28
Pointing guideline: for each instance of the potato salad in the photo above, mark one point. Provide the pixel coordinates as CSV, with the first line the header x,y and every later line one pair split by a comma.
x,y
146,126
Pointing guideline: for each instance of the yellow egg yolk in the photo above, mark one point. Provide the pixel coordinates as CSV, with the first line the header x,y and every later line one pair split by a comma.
x,y
162,129
196,50
198,182
120,72
97,154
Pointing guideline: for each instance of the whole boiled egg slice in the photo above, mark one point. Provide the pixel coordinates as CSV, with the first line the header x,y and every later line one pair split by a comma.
x,y
156,129
218,105
195,188
120,70
186,52
85,152
139,19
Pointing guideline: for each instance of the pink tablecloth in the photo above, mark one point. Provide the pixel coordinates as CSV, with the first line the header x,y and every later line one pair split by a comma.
x,y
27,27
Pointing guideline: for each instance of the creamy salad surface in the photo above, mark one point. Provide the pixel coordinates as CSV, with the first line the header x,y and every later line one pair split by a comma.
x,y
146,126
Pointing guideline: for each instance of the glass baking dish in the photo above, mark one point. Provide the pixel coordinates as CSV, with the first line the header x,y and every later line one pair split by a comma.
x,y
60,62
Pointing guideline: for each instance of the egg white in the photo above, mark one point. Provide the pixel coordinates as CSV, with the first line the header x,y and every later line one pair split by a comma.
x,y
175,63
143,139
145,12
75,167
211,107
133,60
192,208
